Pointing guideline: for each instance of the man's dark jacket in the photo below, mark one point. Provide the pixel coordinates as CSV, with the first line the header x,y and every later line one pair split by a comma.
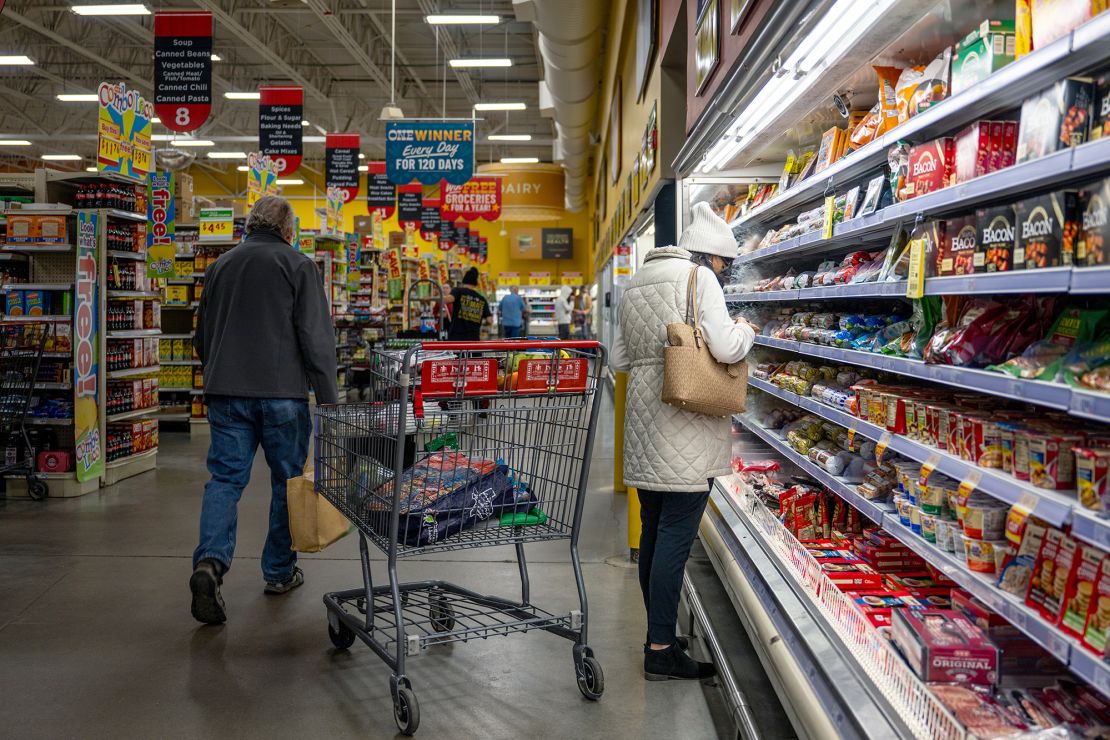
x,y
264,329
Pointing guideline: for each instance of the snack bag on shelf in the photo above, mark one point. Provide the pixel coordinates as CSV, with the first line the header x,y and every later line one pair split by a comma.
x,y
888,99
1087,366
1043,359
905,88
1050,575
867,129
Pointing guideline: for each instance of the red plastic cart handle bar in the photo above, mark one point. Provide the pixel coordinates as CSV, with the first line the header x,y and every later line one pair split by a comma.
x,y
511,344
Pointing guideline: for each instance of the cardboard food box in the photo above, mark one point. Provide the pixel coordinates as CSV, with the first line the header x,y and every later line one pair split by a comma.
x,y
989,47
931,166
35,230
973,150
1100,109
1053,19
1097,628
851,574
1046,230
1094,234
1009,144
878,605
1055,118
942,645
1080,591
957,252
1049,580
994,251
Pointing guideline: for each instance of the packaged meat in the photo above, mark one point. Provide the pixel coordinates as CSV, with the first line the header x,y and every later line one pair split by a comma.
x,y
1094,234
995,248
1054,119
931,166
941,645
1047,226
1050,576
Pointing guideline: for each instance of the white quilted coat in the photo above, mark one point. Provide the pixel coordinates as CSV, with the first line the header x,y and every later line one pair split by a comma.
x,y
666,449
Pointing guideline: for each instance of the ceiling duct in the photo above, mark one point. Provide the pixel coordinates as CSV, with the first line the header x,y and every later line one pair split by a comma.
x,y
570,45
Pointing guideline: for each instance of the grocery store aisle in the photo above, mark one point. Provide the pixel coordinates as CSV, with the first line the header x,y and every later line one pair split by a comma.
x,y
96,638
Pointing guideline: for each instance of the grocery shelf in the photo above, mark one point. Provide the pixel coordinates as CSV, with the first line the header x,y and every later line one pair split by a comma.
x,y
129,372
57,355
42,249
48,421
123,254
148,411
1053,395
197,420
133,333
1049,280
178,336
123,215
1090,404
1091,279
179,281
174,416
181,362
33,319
1055,508
52,386
112,293
123,468
35,286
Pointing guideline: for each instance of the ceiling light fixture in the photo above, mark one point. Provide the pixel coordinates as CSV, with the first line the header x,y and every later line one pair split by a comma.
x,y
192,142
509,137
156,119
14,142
313,139
364,168
289,181
91,169
78,97
391,111
62,157
499,106
305,123
470,20
217,58
162,137
227,155
520,160
492,62
361,155
233,95
15,59
114,9
243,168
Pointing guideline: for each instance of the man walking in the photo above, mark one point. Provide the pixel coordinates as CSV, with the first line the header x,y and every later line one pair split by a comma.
x,y
512,314
469,309
264,335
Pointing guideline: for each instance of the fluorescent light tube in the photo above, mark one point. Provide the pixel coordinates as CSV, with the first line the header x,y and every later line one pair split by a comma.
x,y
493,62
509,137
62,157
243,168
499,106
520,160
217,58
233,95
15,59
78,97
364,168
461,19
289,181
14,142
227,155
115,9
192,142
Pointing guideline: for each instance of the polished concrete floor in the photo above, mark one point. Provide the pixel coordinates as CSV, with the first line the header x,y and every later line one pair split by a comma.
x,y
96,640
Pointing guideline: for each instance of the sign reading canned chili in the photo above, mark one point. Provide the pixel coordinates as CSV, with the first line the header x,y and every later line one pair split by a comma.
x,y
183,68
280,112
341,164
1046,229
381,194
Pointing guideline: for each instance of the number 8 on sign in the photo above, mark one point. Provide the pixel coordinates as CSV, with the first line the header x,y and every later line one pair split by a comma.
x,y
181,118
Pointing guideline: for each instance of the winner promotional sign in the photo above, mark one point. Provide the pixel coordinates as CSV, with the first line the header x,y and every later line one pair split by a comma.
x,y
429,151
341,164
479,197
280,111
183,68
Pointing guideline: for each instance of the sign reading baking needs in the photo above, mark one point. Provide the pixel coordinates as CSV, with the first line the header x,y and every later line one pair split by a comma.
x,y
429,151
280,112
183,68
123,141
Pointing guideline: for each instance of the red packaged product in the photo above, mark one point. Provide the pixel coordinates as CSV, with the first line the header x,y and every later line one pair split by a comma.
x,y
931,166
973,152
920,585
877,605
1049,580
941,645
998,129
852,576
1009,143
1080,588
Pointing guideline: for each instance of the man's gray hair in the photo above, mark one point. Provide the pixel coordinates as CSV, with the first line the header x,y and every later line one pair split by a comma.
x,y
272,214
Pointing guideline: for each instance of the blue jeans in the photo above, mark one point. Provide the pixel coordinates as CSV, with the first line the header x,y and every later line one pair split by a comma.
x,y
512,332
282,426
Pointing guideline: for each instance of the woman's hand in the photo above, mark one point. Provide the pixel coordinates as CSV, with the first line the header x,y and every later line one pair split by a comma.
x,y
753,326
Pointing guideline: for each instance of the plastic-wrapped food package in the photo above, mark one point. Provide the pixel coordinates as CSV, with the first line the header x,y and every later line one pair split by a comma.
x,y
867,129
898,161
904,90
1043,359
888,98
1087,366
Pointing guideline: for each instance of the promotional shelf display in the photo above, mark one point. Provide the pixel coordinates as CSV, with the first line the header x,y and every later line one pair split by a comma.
x,y
933,297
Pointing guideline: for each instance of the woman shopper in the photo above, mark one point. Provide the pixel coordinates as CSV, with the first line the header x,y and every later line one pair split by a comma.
x,y
563,309
671,455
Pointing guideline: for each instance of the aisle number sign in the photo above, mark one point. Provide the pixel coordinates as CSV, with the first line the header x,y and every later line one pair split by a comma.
x,y
216,224
539,278
123,140
280,112
86,329
160,225
183,68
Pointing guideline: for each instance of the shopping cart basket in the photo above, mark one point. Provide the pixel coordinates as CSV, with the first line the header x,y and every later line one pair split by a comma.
x,y
21,347
461,445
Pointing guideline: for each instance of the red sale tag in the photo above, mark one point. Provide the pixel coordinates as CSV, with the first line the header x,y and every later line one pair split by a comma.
x,y
473,377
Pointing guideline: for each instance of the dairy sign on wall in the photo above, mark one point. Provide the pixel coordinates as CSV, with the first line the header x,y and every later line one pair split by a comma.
x,y
183,68
429,151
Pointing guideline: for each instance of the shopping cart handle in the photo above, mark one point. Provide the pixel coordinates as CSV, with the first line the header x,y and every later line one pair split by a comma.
x,y
511,344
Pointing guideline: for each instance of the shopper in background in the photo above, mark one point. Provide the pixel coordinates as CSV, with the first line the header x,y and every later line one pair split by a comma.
x,y
563,309
264,335
512,314
469,310
670,455
582,309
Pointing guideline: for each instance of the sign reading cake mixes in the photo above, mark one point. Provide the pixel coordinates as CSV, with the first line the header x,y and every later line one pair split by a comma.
x,y
280,111
479,197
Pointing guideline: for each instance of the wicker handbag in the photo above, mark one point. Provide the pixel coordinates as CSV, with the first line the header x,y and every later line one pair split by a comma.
x,y
693,380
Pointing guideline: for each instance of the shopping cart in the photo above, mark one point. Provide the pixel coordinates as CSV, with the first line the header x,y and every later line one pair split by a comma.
x,y
462,445
21,347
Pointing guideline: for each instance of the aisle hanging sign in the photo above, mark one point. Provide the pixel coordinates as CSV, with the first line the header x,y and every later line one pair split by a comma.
x,y
429,151
183,68
86,350
333,211
160,225
261,177
354,261
479,197
381,194
280,112
410,201
430,221
341,164
123,139
483,250
461,239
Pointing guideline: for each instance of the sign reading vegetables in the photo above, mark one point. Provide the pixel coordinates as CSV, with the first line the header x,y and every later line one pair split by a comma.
x,y
479,197
429,151
341,164
160,225
123,140
280,111
183,68
86,330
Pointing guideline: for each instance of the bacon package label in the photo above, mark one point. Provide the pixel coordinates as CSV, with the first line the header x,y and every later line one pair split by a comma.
x,y
1047,226
995,250
931,166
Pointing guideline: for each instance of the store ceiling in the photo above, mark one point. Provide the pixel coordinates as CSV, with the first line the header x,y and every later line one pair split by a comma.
x,y
338,50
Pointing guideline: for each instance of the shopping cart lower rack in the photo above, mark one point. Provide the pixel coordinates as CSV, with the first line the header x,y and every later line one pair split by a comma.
x,y
461,445
21,347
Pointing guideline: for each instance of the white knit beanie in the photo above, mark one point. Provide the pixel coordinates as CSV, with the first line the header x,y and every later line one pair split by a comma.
x,y
708,233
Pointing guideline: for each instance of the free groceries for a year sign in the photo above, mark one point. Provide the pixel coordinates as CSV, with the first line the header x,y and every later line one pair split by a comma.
x,y
429,151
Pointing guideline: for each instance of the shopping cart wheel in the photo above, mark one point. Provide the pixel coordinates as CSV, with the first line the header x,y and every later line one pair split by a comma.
x,y
406,712
343,637
591,680
37,489
441,616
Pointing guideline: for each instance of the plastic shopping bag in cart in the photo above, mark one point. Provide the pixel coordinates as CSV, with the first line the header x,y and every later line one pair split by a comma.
x,y
442,495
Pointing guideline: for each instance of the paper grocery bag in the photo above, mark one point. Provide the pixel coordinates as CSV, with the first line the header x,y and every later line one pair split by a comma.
x,y
313,522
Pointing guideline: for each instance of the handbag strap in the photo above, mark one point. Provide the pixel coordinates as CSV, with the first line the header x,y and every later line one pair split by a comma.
x,y
692,299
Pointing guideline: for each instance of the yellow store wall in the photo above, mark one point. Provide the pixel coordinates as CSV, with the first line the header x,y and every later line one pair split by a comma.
x,y
306,198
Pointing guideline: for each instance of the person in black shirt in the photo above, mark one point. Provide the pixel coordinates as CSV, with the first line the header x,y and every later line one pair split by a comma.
x,y
469,310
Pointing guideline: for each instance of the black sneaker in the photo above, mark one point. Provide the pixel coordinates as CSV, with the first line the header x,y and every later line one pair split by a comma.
x,y
287,585
672,663
208,604
682,642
